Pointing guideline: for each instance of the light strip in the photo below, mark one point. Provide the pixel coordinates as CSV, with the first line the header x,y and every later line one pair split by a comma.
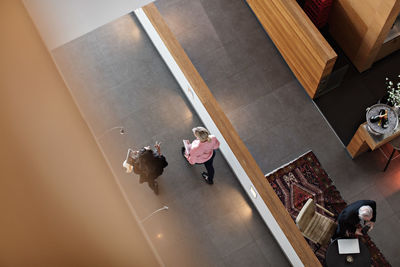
x,y
253,191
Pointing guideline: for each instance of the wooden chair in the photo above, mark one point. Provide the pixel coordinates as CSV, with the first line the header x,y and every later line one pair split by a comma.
x,y
315,226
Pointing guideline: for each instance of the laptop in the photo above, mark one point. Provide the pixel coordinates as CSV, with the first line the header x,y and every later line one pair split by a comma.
x,y
348,246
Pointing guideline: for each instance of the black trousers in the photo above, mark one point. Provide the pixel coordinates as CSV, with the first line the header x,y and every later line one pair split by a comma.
x,y
208,164
210,168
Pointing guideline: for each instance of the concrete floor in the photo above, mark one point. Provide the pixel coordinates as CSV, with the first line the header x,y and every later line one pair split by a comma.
x,y
117,78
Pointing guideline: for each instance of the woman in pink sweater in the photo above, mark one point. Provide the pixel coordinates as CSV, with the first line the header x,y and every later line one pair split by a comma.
x,y
201,151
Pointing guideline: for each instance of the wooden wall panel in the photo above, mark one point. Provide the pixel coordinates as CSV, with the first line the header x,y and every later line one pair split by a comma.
x,y
388,48
360,27
304,49
241,152
59,200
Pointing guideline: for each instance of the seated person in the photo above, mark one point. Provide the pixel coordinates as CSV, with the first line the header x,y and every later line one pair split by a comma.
x,y
355,217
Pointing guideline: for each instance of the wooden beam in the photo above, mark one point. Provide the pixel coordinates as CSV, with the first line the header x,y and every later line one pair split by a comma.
x,y
304,49
360,28
240,151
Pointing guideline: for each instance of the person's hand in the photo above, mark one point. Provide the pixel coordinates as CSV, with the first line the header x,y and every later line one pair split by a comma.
x,y
370,224
358,231
157,145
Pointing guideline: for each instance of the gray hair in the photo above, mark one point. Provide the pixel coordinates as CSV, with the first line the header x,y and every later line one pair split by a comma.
x,y
365,211
201,133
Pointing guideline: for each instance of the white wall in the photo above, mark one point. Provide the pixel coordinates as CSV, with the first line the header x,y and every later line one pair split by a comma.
x,y
61,21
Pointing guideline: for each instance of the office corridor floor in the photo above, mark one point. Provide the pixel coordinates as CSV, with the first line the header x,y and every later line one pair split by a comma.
x,y
118,79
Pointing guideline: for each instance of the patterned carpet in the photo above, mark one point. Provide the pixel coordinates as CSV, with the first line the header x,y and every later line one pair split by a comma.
x,y
303,178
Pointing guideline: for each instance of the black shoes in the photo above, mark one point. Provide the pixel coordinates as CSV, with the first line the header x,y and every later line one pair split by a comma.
x,y
205,177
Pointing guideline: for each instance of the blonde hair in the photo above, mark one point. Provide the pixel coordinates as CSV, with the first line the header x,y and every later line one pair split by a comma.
x,y
202,134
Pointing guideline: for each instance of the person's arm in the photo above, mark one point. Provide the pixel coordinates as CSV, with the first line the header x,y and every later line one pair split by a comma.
x,y
351,221
358,231
188,144
163,161
371,225
195,151
372,204
352,228
157,145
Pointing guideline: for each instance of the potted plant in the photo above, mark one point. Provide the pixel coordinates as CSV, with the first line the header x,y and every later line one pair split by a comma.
x,y
393,90
392,96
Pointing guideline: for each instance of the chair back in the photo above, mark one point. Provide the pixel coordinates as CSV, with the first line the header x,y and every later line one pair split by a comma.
x,y
313,225
306,214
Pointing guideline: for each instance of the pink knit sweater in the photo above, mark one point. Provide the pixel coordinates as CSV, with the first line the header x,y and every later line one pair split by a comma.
x,y
200,152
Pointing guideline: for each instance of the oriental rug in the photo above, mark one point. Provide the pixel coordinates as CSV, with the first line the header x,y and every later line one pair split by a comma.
x,y
303,178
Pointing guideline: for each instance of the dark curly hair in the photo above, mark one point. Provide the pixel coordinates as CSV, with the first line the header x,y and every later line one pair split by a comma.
x,y
145,160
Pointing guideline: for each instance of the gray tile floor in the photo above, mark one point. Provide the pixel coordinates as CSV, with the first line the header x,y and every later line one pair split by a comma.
x,y
118,78
271,111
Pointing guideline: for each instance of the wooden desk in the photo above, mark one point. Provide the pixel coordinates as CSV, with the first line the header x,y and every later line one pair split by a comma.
x,y
363,140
